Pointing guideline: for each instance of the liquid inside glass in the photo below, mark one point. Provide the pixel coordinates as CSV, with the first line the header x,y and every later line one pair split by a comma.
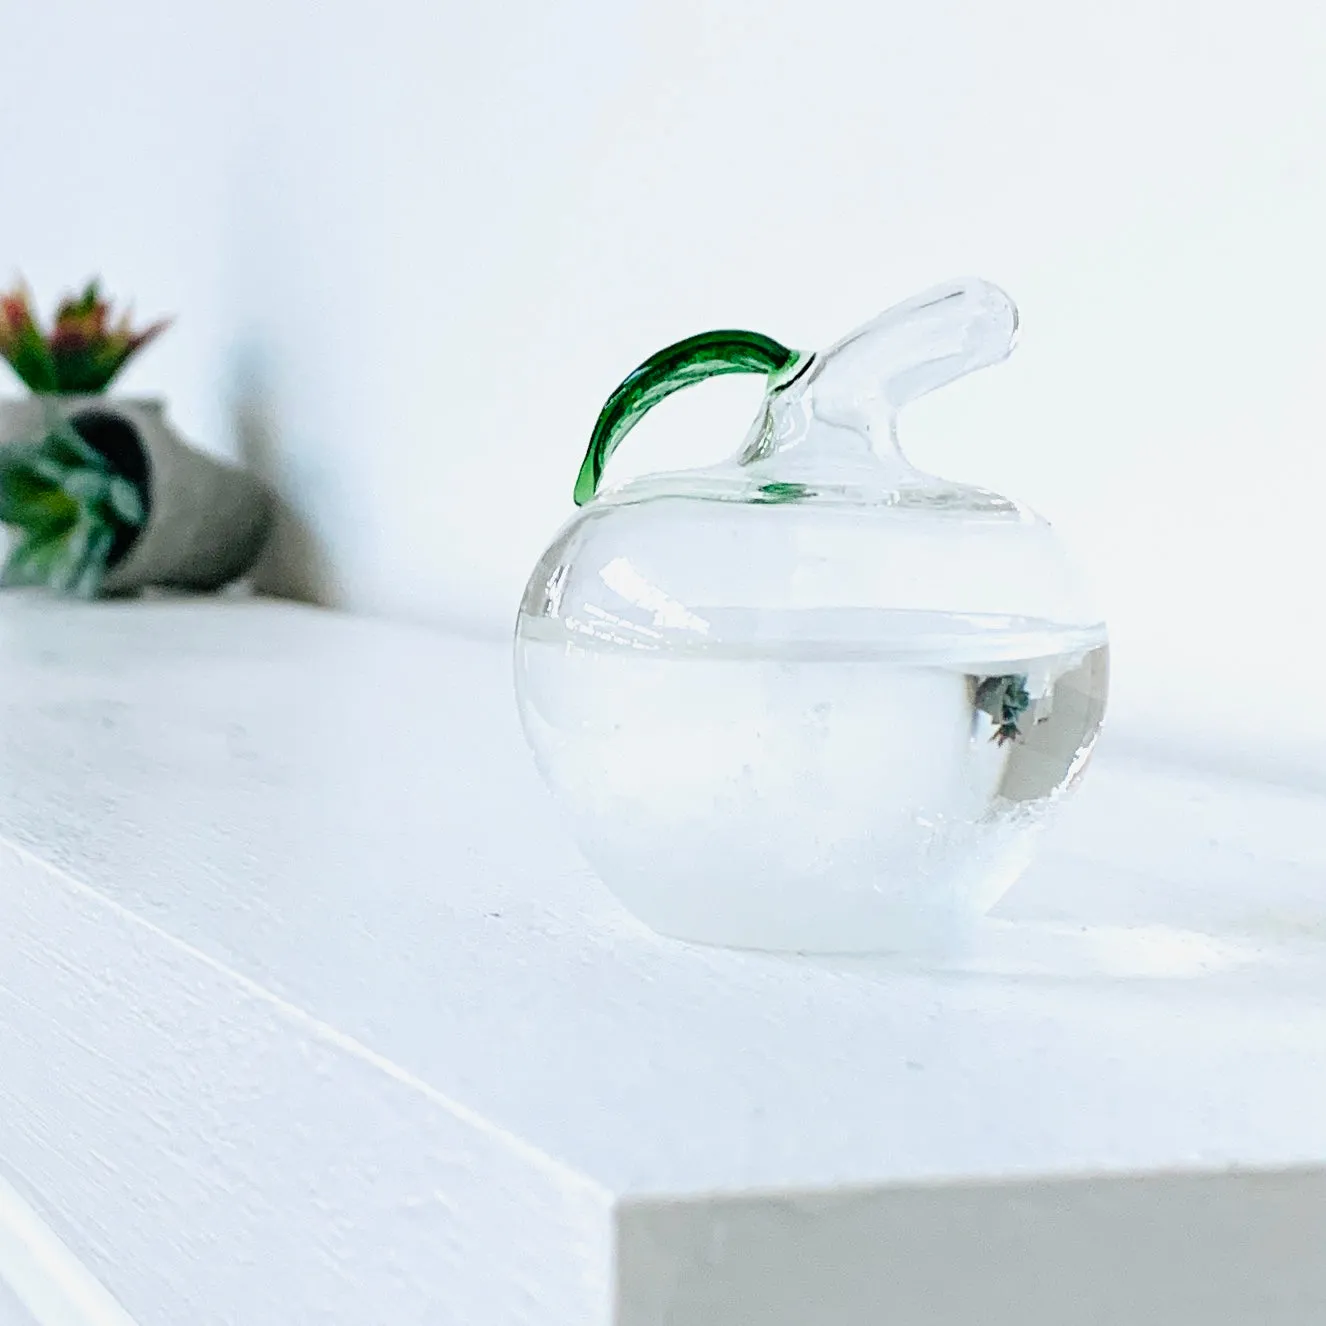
x,y
874,784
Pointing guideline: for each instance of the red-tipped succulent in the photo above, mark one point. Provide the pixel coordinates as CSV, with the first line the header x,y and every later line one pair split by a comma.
x,y
82,352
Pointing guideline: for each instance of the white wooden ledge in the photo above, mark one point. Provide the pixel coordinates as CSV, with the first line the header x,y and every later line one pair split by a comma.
x,y
310,1013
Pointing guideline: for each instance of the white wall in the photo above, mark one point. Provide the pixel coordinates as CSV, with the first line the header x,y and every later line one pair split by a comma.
x,y
413,245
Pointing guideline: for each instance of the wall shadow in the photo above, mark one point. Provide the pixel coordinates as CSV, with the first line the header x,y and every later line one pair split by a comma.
x,y
295,563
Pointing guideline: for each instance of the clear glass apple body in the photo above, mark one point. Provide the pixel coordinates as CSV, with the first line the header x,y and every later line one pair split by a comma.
x,y
813,699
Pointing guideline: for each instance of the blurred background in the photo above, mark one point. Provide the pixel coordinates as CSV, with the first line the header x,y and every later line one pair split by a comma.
x,y
413,245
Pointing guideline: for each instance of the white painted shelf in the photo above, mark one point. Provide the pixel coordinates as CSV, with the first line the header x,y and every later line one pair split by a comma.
x,y
310,1013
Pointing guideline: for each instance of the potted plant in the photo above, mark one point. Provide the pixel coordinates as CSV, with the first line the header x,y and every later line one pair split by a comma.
x,y
100,491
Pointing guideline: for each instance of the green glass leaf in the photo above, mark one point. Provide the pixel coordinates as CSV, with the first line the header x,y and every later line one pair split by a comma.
x,y
783,492
708,355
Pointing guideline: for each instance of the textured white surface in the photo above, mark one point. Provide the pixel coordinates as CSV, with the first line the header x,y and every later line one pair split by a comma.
x,y
42,1283
12,1311
310,1013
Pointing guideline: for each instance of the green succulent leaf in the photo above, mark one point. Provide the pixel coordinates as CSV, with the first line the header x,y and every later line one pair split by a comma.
x,y
74,306
23,345
88,583
84,349
66,447
126,501
33,561
82,562
45,511
89,488
70,508
24,492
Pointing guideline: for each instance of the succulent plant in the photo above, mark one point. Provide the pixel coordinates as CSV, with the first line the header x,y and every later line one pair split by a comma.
x,y
1006,700
82,352
71,510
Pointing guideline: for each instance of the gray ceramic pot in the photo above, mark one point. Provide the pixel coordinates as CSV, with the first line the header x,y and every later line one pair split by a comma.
x,y
206,521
